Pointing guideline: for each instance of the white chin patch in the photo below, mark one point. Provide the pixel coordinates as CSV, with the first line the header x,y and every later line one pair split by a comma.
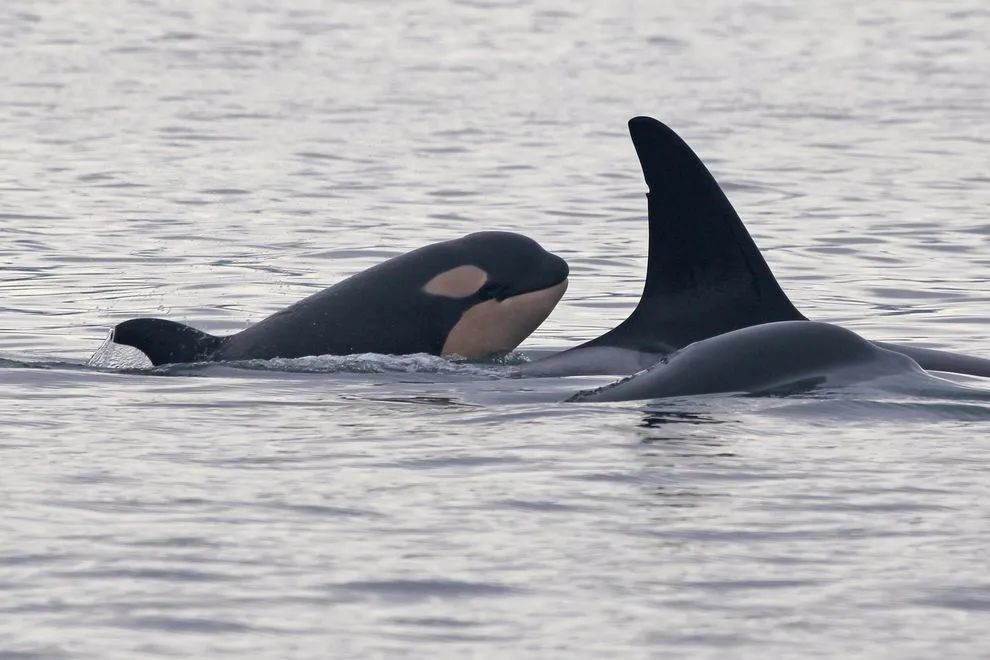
x,y
499,326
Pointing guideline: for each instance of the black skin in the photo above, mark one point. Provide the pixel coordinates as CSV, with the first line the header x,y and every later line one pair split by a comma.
x,y
380,310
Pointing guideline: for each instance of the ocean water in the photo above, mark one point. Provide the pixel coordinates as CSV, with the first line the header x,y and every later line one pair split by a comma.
x,y
212,162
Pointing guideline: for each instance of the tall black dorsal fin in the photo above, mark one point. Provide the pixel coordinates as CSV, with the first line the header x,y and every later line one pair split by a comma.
x,y
705,275
167,342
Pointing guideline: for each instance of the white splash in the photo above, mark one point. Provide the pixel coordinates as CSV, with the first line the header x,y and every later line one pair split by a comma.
x,y
118,356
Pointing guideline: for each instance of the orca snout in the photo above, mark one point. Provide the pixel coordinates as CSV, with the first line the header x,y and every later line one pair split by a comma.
x,y
549,272
557,268
513,264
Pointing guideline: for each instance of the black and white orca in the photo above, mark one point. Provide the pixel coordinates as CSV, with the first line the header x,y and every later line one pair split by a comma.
x,y
474,297
705,276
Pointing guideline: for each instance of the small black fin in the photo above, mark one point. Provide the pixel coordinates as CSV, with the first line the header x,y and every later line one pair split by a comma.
x,y
167,342
705,275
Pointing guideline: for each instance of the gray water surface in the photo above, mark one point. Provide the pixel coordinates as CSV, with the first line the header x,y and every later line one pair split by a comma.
x,y
212,162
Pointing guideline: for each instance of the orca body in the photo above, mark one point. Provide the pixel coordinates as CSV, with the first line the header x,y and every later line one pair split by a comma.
x,y
705,276
784,356
475,297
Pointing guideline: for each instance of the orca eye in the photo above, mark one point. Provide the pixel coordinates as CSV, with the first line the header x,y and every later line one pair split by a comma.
x,y
490,291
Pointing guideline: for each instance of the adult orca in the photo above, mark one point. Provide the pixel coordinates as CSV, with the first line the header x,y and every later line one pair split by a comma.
x,y
705,276
475,296
783,356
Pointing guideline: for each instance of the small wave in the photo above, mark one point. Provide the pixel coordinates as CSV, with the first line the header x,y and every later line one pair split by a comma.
x,y
848,409
417,589
361,363
119,357
31,363
365,363
124,359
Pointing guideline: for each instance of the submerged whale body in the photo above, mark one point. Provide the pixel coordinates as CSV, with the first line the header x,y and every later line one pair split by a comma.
x,y
774,357
705,276
475,296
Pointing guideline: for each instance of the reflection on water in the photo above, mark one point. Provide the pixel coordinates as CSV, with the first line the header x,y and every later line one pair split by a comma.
x,y
658,418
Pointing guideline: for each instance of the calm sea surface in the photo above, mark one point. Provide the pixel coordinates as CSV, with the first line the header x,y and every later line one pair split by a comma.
x,y
212,162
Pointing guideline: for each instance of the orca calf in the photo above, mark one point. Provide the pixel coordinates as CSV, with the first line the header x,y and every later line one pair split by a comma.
x,y
475,296
779,357
705,276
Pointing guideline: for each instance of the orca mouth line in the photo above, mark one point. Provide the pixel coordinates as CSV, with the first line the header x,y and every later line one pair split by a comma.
x,y
509,294
554,274
558,287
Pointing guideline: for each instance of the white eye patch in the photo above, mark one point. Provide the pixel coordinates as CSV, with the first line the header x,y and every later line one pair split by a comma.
x,y
459,282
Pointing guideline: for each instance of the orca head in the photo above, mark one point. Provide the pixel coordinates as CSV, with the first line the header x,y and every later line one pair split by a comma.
x,y
507,284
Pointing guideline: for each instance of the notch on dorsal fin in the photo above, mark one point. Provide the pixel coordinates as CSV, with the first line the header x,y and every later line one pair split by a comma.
x,y
705,275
